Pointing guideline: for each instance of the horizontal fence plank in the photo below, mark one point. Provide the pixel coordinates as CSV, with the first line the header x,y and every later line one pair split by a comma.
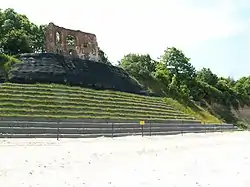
x,y
72,120
23,127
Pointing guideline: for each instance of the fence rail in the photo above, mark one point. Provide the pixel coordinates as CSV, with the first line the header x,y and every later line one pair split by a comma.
x,y
24,128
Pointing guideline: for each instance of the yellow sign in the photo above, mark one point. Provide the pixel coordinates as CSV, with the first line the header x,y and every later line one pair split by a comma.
x,y
142,122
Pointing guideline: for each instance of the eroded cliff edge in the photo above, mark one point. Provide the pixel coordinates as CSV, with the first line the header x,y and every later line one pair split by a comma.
x,y
55,68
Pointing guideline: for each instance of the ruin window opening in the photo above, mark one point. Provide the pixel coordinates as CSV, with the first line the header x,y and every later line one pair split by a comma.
x,y
70,40
70,52
93,52
58,38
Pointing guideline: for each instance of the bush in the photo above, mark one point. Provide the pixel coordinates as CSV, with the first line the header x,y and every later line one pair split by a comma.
x,y
6,62
242,125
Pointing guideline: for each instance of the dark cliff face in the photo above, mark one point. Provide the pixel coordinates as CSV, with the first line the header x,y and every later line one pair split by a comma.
x,y
2,76
54,68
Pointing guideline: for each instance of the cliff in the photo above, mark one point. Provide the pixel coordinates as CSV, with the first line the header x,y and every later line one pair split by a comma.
x,y
55,68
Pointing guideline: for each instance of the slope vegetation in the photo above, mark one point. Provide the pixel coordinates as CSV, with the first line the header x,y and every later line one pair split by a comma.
x,y
60,101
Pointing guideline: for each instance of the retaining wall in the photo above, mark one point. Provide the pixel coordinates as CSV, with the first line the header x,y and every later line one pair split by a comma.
x,y
43,128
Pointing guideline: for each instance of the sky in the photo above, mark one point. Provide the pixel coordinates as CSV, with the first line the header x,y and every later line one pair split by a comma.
x,y
214,34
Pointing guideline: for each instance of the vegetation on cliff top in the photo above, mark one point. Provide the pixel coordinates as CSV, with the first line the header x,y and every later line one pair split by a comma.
x,y
174,76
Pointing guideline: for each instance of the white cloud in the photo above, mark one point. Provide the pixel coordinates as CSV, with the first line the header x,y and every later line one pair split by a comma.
x,y
140,26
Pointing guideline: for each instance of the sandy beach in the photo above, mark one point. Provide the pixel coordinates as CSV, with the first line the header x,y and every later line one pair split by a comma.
x,y
214,160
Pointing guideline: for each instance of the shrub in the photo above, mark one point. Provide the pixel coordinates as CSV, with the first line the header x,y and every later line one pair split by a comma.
x,y
242,125
6,62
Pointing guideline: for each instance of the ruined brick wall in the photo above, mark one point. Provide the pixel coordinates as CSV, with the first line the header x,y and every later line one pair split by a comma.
x,y
71,42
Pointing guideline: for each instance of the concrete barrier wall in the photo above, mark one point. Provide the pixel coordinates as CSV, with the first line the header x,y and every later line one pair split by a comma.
x,y
25,128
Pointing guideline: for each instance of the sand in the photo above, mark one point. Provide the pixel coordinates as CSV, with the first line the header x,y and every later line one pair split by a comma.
x,y
214,160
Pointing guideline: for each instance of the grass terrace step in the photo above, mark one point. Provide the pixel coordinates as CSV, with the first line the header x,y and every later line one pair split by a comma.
x,y
78,90
61,101
82,91
90,113
87,108
93,109
75,96
65,103
59,117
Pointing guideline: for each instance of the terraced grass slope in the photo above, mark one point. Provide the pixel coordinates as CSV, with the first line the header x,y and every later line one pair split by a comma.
x,y
60,101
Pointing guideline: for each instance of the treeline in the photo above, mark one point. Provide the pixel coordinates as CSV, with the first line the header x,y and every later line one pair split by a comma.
x,y
172,75
18,34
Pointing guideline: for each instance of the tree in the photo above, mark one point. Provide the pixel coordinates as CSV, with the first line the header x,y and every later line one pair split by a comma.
x,y
178,65
15,42
1,22
18,34
242,87
206,75
229,94
163,74
38,38
138,65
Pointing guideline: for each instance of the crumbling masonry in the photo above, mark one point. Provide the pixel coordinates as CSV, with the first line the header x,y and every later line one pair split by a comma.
x,y
71,42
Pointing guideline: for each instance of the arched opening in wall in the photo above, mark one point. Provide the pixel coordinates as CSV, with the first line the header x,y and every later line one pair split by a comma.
x,y
93,52
71,40
71,52
85,44
58,38
58,51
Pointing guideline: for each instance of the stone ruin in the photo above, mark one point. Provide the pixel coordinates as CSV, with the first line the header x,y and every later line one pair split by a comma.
x,y
73,43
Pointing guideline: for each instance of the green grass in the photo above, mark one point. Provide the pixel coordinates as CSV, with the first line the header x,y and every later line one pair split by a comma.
x,y
42,88
193,110
61,101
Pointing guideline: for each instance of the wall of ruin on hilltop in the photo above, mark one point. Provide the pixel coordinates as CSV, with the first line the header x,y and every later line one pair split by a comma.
x,y
71,42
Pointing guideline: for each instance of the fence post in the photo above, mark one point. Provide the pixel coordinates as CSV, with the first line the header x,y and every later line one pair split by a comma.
x,y
57,136
182,127
142,130
112,129
150,128
142,123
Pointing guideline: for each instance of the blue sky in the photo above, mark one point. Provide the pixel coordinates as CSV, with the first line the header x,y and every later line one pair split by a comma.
x,y
214,34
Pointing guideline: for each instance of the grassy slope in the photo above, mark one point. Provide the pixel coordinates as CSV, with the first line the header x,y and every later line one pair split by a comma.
x,y
190,108
193,110
73,102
